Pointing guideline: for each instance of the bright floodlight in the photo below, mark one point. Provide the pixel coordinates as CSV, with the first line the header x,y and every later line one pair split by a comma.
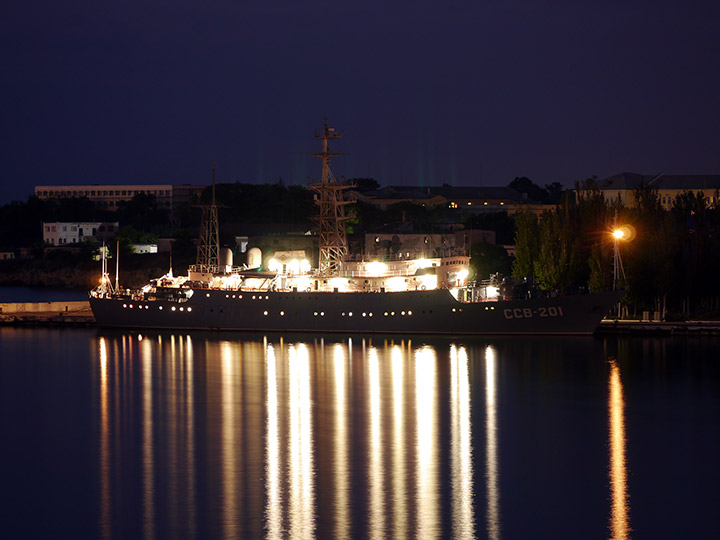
x,y
618,233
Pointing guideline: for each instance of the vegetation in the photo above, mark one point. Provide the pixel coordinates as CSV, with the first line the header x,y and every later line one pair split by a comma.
x,y
669,257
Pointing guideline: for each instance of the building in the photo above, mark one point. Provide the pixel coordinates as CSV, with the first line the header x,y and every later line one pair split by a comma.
x,y
464,199
68,233
109,197
622,187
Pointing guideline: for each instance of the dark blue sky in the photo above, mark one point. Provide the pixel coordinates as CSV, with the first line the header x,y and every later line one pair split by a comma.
x,y
469,93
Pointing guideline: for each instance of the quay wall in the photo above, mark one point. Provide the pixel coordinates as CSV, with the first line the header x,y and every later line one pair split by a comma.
x,y
44,307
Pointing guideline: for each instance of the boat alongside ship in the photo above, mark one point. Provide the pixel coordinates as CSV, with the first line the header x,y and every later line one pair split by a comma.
x,y
420,295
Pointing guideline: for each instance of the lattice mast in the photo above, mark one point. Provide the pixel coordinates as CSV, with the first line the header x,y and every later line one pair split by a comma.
x,y
331,202
208,250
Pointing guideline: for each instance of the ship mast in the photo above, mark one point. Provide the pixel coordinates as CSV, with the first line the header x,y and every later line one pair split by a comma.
x,y
331,202
208,250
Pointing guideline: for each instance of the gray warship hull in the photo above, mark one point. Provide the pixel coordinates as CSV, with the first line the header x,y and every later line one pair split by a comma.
x,y
434,312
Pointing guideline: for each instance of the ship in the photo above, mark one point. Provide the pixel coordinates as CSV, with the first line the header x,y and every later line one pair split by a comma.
x,y
343,294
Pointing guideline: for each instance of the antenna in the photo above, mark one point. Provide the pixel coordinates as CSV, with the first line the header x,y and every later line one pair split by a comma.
x,y
208,250
331,216
117,267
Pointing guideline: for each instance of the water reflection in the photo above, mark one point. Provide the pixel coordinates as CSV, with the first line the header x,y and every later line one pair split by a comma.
x,y
105,487
148,455
302,504
426,425
341,459
372,440
491,447
620,510
461,451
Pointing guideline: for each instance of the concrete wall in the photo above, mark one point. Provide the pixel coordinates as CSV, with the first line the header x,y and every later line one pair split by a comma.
x,y
43,307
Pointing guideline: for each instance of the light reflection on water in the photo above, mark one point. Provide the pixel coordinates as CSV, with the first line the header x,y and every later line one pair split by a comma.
x,y
620,511
214,435
301,439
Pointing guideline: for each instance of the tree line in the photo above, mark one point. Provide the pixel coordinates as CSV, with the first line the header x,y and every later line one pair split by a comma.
x,y
670,257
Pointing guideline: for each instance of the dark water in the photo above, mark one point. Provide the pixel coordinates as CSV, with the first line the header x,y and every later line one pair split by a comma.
x,y
208,435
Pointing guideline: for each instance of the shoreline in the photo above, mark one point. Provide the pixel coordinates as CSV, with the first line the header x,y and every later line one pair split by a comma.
x,y
78,313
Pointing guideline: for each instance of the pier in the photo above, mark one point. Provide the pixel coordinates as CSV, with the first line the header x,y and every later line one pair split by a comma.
x,y
75,313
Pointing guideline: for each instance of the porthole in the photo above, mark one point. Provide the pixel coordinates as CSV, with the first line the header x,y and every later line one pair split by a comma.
x,y
160,308
264,312
189,309
282,313
182,309
322,314
124,305
409,312
173,308
207,295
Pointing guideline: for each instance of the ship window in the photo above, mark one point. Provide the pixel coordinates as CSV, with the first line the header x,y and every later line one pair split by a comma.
x,y
264,312
409,312
124,305
453,309
386,313
315,313
322,314
343,313
392,313
182,309
160,308
402,313
208,295
364,314
173,308
370,314
189,309
282,313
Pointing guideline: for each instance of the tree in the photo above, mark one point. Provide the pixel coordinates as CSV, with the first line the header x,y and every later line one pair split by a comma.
x,y
487,259
526,245
551,263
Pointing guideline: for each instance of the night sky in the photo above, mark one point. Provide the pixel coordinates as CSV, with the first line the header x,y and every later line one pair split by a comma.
x,y
468,93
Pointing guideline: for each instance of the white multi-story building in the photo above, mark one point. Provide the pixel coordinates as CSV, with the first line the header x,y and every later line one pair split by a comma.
x,y
167,195
66,233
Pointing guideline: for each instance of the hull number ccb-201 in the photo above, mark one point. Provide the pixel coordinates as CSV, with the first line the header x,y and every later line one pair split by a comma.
x,y
528,313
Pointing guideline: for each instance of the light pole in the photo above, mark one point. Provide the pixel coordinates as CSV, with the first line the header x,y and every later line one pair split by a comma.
x,y
618,234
